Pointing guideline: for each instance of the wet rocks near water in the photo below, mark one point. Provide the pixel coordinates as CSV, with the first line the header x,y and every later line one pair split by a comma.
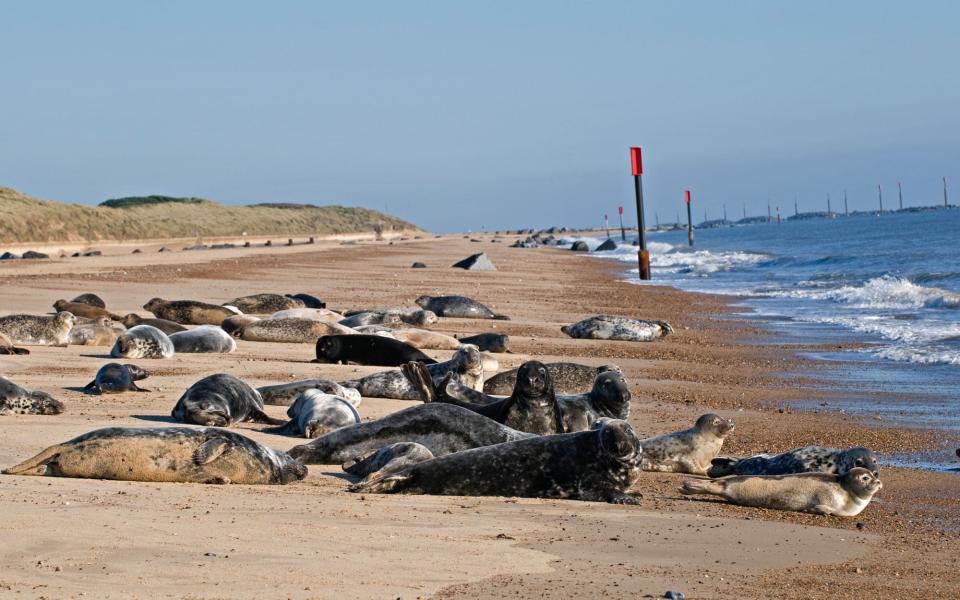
x,y
418,265
580,246
607,245
476,262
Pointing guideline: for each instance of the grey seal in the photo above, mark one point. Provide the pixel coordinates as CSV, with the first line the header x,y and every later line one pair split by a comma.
x,y
809,459
234,325
606,327
389,316
168,327
221,400
142,341
189,312
101,332
365,349
598,465
489,342
308,300
165,454
206,338
294,331
38,330
568,378
315,413
818,493
17,400
113,378
457,306
389,458
263,304
7,347
466,362
90,299
285,394
688,451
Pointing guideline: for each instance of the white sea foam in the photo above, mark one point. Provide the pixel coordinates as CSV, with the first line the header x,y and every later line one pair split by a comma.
x,y
885,292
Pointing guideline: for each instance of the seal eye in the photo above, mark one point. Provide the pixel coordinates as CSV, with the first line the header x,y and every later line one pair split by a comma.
x,y
858,462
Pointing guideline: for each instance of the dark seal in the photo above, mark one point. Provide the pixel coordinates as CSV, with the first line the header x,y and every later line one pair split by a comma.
x,y
457,306
489,342
132,320
308,300
816,459
113,378
90,300
365,349
221,400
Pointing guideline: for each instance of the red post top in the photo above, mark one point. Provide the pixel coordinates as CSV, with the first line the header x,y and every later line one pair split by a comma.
x,y
688,196
636,161
621,208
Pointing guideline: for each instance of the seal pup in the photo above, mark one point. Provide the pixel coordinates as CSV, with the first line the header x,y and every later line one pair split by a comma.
x,y
606,327
132,320
315,413
286,394
809,459
294,331
164,454
423,339
598,465
314,314
308,300
17,400
79,309
101,332
466,362
441,428
142,341
457,306
389,316
90,299
234,325
363,349
220,401
38,330
688,451
206,338
568,378
7,347
489,342
387,459
113,378
818,493
189,312
264,304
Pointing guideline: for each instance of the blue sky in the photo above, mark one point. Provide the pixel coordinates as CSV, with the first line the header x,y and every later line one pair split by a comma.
x,y
496,114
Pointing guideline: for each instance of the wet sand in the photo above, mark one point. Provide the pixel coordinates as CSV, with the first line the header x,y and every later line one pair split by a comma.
x,y
67,537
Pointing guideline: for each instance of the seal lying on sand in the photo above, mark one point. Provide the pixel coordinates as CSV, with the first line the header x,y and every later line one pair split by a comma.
x,y
308,300
466,362
598,465
363,349
142,341
457,306
264,304
220,401
294,331
206,338
79,309
189,312
113,378
441,428
489,342
418,338
568,378
819,493
90,300
286,394
38,330
7,347
315,413
687,451
605,327
102,332
809,459
164,454
16,400
314,314
388,459
168,327
234,325
391,316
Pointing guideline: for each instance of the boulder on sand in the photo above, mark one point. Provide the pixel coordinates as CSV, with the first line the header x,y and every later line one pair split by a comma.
x,y
477,262
580,246
607,245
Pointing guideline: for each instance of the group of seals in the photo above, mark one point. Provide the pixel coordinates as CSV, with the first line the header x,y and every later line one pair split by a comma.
x,y
38,330
467,363
102,331
221,400
142,341
17,400
809,459
82,309
605,327
389,316
285,394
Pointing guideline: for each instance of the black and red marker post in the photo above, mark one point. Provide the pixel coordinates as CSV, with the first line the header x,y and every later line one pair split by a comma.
x,y
689,221
623,231
643,256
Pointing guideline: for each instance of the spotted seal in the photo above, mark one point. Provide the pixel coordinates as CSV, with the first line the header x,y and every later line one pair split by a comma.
x,y
819,493
466,362
79,309
489,342
189,312
17,400
165,454
423,339
389,458
142,341
363,349
7,347
606,327
391,316
294,331
234,325
457,306
688,451
809,459
264,304
206,338
221,400
132,320
90,299
598,465
103,331
113,378
38,330
286,394
315,413
568,378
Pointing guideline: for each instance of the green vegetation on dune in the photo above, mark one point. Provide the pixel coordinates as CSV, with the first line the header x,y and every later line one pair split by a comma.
x,y
26,219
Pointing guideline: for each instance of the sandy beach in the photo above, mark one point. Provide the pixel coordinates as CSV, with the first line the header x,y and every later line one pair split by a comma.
x,y
71,538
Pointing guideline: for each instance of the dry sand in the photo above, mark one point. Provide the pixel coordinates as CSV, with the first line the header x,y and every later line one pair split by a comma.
x,y
70,538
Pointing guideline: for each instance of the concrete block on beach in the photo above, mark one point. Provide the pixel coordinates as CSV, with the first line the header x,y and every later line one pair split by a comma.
x,y
476,262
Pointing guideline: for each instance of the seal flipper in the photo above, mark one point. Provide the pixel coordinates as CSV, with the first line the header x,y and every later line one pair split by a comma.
x,y
210,451
136,388
258,416
289,428
381,485
37,464
418,375
93,386
461,395
701,486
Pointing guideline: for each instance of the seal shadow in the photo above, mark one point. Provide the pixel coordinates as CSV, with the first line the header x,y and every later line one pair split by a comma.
x,y
155,418
95,356
341,475
82,390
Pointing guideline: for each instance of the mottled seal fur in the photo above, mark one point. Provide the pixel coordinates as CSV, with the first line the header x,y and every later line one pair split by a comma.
x,y
234,325
441,428
418,338
489,342
221,400
7,347
392,317
79,309
688,451
113,378
17,400
168,327
568,378
457,306
206,338
308,300
264,304
809,459
38,330
286,394
388,459
165,454
598,465
363,349
189,312
295,331
90,299
142,341
466,362
315,413
606,327
101,332
819,493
